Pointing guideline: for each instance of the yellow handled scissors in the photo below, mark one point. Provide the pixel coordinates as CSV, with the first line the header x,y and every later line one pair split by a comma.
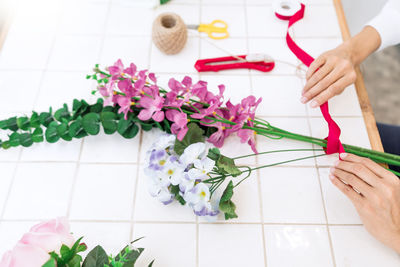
x,y
218,29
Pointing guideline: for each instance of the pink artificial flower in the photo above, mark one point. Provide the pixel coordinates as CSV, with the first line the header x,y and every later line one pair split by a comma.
x,y
125,103
179,127
107,92
247,135
116,70
151,108
34,247
218,138
152,77
214,101
131,70
125,86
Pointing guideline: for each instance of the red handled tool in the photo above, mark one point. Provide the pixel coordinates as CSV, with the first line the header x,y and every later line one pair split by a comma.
x,y
248,62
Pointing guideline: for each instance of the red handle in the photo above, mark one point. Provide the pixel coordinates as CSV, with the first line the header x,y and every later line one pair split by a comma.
x,y
203,65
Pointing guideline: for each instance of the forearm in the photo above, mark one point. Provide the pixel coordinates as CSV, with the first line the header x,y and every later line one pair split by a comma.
x,y
363,44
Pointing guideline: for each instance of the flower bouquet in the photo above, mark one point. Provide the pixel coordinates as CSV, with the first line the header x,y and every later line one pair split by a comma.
x,y
180,165
50,244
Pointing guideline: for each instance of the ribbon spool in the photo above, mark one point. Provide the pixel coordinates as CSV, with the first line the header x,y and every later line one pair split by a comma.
x,y
169,33
285,9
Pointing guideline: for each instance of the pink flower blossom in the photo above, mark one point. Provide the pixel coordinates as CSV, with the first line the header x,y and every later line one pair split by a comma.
x,y
179,127
116,70
151,108
125,103
248,135
34,247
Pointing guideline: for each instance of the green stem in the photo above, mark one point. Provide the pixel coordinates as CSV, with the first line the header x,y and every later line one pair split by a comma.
x,y
277,151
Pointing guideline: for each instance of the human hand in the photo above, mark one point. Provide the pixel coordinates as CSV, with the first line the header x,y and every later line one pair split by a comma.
x,y
329,75
375,193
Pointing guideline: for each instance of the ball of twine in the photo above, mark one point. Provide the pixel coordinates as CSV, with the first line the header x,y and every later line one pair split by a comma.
x,y
169,33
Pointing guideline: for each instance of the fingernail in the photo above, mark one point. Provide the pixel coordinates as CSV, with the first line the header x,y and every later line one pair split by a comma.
x,y
332,170
314,104
343,155
303,100
337,162
331,177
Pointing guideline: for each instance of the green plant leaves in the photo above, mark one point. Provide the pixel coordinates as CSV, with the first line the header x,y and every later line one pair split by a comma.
x,y
127,128
96,257
25,139
194,135
228,166
76,129
50,263
45,118
91,123
51,133
37,135
109,121
11,124
175,190
62,113
23,123
226,205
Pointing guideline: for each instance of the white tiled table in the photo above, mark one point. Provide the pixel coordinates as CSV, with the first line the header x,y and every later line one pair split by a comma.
x,y
289,215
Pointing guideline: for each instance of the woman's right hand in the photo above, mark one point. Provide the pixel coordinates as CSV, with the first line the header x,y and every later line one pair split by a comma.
x,y
329,75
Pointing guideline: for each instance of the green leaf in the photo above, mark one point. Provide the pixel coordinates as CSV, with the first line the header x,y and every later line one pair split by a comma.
x,y
76,129
45,118
12,124
226,205
50,263
3,124
146,126
151,263
76,104
75,261
35,121
25,139
5,145
129,255
214,153
62,113
51,133
167,127
194,135
63,132
127,128
96,257
98,107
228,165
23,123
175,190
37,135
14,139
109,122
91,123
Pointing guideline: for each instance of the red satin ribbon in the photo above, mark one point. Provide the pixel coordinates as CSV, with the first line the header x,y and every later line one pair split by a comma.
x,y
333,142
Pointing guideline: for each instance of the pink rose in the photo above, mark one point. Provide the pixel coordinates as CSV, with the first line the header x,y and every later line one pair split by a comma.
x,y
34,247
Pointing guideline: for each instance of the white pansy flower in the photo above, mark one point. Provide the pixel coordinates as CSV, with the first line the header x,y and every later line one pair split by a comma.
x,y
173,171
193,152
201,168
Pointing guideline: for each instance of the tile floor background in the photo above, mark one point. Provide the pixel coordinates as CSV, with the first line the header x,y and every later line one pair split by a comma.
x,y
289,215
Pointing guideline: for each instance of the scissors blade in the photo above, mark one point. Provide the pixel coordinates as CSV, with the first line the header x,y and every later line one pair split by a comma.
x,y
193,26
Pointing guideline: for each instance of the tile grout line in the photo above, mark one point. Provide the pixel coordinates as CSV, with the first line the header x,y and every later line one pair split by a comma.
x,y
136,186
258,177
321,191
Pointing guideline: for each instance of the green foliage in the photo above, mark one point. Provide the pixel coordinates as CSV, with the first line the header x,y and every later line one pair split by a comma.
x,y
224,164
91,123
69,257
23,123
62,113
226,205
127,128
109,121
175,190
194,135
96,257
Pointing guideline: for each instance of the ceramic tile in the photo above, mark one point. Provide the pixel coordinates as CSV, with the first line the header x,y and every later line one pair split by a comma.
x,y
298,198
161,242
258,2
222,2
307,246
182,62
285,61
339,208
72,52
88,18
7,174
316,46
265,144
234,16
59,88
92,198
233,148
189,13
223,48
26,51
40,191
127,48
51,152
347,241
280,96
218,244
148,208
319,128
19,96
11,232
128,20
111,236
110,148
318,21
262,22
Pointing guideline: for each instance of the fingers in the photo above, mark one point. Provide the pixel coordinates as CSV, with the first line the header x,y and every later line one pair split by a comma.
x,y
358,170
317,77
347,190
334,89
370,164
355,182
315,65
